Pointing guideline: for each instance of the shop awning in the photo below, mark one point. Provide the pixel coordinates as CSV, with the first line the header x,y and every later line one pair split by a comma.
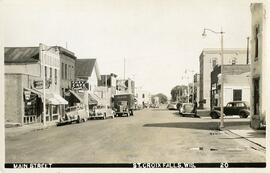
x,y
95,97
77,95
51,98
55,99
91,100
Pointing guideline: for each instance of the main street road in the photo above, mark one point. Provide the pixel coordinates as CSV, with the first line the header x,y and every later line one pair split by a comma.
x,y
152,135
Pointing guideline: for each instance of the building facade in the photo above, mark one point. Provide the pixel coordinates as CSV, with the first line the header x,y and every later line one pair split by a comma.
x,y
209,58
67,70
87,73
259,60
236,80
26,70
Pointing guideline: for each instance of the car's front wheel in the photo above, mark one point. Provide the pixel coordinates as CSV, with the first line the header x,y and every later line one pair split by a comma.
x,y
214,115
243,115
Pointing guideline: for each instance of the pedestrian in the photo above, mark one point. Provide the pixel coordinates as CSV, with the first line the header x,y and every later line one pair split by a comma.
x,y
195,105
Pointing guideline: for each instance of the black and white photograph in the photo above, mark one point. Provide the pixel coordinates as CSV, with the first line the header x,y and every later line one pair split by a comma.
x,y
135,84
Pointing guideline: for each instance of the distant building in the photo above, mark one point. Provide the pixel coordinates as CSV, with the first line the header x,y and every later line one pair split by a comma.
x,y
25,70
87,73
87,69
125,86
259,64
143,97
209,58
236,84
106,88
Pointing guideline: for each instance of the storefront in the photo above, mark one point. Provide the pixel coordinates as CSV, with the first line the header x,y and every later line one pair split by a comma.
x,y
33,106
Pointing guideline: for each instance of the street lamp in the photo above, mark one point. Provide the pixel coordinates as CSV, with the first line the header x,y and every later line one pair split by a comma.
x,y
44,81
221,72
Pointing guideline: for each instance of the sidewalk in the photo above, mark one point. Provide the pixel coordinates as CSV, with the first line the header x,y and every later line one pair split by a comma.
x,y
203,112
19,130
257,137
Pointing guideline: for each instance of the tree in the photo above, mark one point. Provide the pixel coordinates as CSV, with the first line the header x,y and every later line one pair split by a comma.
x,y
179,93
162,98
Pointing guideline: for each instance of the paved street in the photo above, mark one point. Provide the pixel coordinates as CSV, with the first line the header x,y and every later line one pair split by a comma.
x,y
152,135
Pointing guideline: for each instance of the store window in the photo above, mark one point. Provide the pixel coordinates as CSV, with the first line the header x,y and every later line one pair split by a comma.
x,y
31,105
54,109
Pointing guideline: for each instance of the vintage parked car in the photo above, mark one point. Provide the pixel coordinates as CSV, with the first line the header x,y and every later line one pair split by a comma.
x,y
172,106
101,112
73,114
186,109
240,108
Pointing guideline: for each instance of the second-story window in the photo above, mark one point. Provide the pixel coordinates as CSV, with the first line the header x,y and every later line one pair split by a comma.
x,y
55,76
65,71
45,72
256,43
50,73
62,70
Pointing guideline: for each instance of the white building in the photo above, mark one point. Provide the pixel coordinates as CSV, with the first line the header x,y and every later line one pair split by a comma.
x,y
143,97
236,80
209,58
259,53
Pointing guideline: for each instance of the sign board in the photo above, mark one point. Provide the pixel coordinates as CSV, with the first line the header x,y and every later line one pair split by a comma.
x,y
79,85
38,84
27,95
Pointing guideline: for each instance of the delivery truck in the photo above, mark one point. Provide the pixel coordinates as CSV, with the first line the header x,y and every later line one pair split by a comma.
x,y
124,104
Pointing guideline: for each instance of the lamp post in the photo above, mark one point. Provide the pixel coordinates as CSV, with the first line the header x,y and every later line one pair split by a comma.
x,y
221,72
44,81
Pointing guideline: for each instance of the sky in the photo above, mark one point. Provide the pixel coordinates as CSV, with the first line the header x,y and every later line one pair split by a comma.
x,y
159,39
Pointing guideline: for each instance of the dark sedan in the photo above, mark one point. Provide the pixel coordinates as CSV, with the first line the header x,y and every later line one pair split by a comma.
x,y
240,108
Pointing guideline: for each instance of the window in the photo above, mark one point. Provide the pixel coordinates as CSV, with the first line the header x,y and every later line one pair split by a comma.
x,y
233,61
256,43
143,96
50,73
63,70
214,63
45,72
237,95
229,105
55,76
54,109
240,105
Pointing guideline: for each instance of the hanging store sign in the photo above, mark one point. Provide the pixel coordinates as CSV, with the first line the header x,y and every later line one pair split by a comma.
x,y
79,85
38,84
27,95
67,94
